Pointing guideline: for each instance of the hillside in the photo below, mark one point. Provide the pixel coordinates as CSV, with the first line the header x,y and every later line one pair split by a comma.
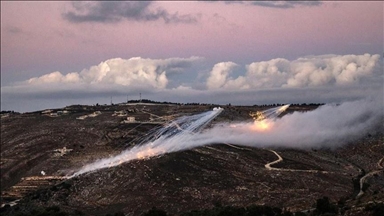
x,y
38,149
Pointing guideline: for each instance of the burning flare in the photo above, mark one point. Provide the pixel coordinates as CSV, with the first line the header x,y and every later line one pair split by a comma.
x,y
344,123
263,120
269,113
168,138
263,125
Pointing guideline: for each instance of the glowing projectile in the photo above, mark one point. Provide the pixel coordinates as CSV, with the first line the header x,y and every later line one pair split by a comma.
x,y
269,113
263,120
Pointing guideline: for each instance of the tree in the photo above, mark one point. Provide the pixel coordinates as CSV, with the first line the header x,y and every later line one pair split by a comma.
x,y
324,206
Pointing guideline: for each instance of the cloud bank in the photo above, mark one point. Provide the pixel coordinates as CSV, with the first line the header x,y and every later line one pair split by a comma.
x,y
317,79
116,11
134,72
313,71
219,74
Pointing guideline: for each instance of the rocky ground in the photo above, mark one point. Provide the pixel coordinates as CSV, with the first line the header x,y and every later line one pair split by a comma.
x,y
39,149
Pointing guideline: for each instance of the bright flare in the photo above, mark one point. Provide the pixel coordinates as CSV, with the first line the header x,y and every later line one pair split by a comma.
x,y
263,125
269,113
168,138
263,120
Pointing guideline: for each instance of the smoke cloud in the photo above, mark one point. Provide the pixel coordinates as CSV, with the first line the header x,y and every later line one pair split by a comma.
x,y
328,126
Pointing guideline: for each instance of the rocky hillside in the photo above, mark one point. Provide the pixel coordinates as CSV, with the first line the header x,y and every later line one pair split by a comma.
x,y
38,149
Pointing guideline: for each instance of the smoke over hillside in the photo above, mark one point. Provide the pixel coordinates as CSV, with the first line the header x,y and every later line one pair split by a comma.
x,y
328,126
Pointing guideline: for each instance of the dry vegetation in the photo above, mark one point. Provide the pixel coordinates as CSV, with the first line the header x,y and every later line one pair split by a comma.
x,y
201,178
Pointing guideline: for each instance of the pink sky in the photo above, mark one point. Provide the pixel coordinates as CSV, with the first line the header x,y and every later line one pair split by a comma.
x,y
35,38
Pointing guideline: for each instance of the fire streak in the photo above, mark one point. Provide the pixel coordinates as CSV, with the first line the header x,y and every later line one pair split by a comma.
x,y
263,125
263,120
160,141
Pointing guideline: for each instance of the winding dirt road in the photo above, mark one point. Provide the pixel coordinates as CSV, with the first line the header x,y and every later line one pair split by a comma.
x,y
362,180
368,175
380,164
269,165
279,159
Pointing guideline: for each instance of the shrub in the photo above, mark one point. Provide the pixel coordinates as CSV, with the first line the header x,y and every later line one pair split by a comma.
x,y
155,212
377,209
324,206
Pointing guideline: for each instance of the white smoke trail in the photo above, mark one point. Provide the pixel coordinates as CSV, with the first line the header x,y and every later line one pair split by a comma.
x,y
269,113
166,139
326,126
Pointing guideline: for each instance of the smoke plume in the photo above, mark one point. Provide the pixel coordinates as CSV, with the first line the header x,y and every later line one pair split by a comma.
x,y
327,126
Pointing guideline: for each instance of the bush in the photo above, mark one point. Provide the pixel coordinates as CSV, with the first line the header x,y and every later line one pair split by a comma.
x,y
155,212
263,210
52,209
229,211
119,213
324,206
376,208
66,185
300,214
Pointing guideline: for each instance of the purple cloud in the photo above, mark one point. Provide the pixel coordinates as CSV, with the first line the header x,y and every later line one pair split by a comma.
x,y
112,12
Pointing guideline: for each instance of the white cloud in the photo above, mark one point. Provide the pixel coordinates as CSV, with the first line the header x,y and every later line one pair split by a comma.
x,y
331,69
312,79
56,77
134,72
267,74
219,74
314,71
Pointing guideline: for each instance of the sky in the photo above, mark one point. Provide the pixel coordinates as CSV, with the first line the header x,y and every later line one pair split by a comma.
x,y
58,53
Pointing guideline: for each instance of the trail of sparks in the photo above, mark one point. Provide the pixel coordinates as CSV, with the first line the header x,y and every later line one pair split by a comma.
x,y
180,135
263,120
164,140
